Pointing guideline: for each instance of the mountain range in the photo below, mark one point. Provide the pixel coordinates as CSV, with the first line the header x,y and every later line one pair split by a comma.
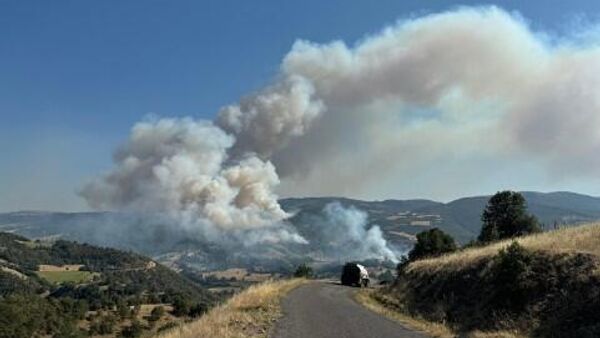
x,y
399,220
460,218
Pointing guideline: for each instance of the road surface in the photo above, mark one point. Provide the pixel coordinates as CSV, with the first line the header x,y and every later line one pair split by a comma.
x,y
327,310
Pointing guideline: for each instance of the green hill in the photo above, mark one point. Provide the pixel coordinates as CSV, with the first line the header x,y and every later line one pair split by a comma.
x,y
76,290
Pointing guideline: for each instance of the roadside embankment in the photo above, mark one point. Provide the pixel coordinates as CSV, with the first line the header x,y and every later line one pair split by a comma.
x,y
251,313
547,285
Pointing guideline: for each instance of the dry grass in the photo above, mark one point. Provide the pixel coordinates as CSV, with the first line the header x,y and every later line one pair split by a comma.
x,y
437,330
581,239
365,297
250,313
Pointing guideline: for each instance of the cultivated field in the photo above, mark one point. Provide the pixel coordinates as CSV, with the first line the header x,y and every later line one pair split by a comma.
x,y
66,276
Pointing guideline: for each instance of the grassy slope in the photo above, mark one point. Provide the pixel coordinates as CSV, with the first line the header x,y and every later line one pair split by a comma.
x,y
372,300
66,276
556,294
250,313
583,239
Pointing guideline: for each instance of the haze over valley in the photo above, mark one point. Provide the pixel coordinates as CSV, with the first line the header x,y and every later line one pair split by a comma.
x,y
327,224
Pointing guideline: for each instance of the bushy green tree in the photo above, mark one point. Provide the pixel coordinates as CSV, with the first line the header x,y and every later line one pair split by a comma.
x,y
505,216
181,306
303,271
198,310
432,243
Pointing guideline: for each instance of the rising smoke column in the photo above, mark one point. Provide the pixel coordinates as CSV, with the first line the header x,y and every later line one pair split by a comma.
x,y
343,233
213,178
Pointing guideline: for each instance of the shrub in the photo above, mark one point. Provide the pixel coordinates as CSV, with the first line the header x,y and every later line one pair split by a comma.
x,y
103,325
513,276
386,277
132,331
402,265
303,271
432,243
156,313
198,310
167,326
181,306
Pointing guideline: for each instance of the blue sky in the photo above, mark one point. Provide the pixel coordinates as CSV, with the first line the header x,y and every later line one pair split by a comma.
x,y
75,75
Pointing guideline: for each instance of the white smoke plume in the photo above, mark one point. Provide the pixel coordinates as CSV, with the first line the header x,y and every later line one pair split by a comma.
x,y
180,168
471,89
343,233
266,122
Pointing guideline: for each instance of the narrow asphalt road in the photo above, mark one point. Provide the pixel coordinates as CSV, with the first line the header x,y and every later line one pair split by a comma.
x,y
327,310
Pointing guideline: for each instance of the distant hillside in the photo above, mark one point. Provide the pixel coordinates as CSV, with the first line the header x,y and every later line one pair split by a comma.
x,y
400,221
67,289
461,218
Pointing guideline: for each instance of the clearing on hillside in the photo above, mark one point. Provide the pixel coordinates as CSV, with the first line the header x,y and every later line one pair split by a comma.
x,y
66,276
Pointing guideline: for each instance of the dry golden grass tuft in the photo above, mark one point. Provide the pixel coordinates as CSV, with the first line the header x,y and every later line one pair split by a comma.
x,y
581,239
250,313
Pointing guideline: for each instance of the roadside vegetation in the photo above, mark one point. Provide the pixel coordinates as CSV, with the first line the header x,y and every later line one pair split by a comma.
x,y
514,281
303,271
250,313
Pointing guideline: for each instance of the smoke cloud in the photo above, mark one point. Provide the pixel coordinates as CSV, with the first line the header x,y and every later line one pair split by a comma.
x,y
460,88
472,88
266,122
343,233
179,168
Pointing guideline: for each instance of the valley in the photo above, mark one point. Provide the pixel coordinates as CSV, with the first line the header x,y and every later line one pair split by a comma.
x,y
399,220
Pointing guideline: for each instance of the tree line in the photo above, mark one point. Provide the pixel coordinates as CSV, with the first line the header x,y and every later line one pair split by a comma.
x,y
505,216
